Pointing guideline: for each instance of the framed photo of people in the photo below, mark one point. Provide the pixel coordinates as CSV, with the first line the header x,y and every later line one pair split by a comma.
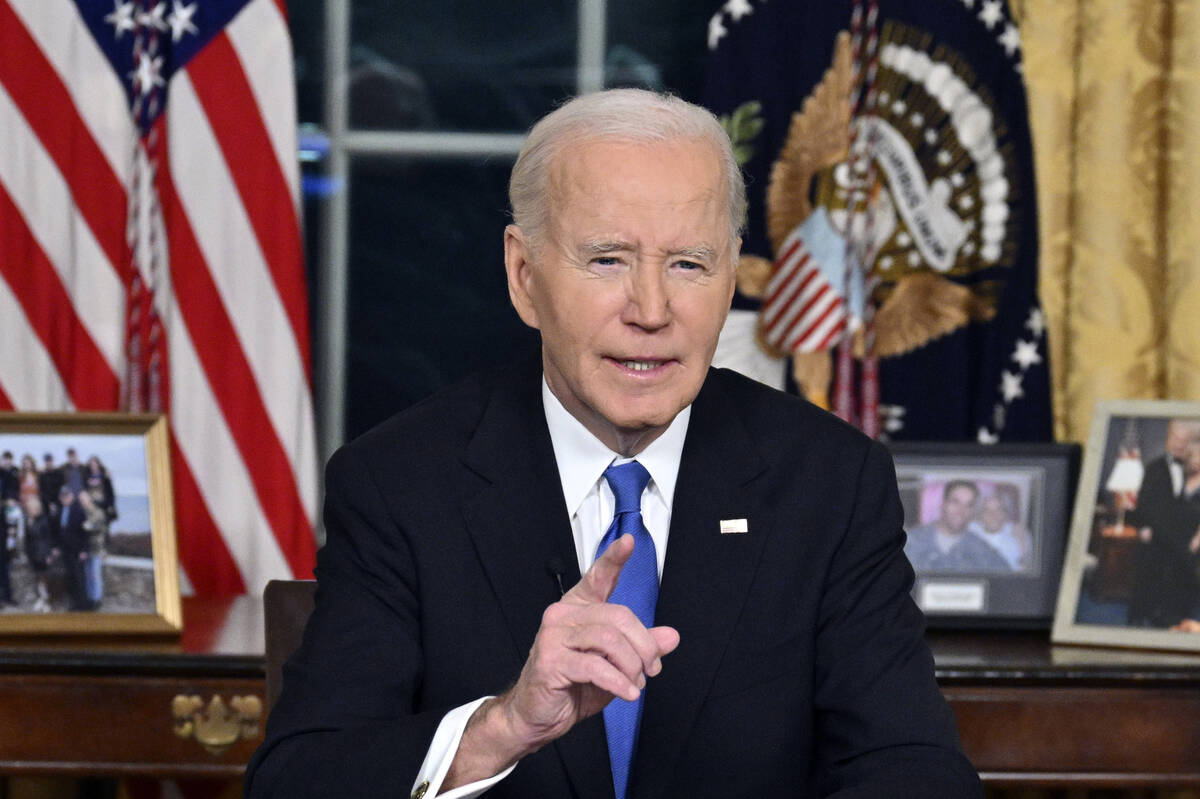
x,y
88,530
1132,571
986,526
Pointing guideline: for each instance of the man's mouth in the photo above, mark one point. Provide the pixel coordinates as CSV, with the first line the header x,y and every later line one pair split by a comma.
x,y
640,366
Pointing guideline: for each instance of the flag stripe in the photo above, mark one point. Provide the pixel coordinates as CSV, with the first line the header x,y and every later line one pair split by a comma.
x,y
5,403
27,375
210,568
222,89
819,296
784,275
831,306
86,73
232,383
834,332
42,196
792,303
33,281
260,37
231,252
227,491
43,100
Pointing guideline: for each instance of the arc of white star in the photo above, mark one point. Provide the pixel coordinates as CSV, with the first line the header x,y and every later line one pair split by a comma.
x,y
1036,323
1010,39
147,74
991,13
121,17
738,9
985,436
1026,354
181,20
154,17
1010,386
716,31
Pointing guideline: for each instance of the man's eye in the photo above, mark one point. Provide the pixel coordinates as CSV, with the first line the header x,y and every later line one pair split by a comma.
x,y
689,265
606,260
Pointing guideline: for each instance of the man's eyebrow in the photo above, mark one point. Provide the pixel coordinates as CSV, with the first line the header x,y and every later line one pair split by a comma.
x,y
601,246
700,252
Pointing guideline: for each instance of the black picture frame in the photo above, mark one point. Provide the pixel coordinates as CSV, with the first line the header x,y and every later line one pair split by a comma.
x,y
1007,575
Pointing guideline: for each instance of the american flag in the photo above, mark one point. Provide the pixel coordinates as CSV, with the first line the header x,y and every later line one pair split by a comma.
x,y
802,311
150,255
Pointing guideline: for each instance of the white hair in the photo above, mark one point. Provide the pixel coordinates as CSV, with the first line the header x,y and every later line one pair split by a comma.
x,y
632,115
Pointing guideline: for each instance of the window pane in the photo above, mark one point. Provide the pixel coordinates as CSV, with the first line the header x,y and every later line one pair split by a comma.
x,y
428,299
459,64
660,45
306,22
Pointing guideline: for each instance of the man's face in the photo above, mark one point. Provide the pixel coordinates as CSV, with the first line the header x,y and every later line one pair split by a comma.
x,y
1179,436
1191,464
631,285
992,515
957,507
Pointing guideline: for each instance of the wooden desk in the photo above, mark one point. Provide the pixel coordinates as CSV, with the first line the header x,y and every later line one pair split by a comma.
x,y
1034,714
104,708
1028,713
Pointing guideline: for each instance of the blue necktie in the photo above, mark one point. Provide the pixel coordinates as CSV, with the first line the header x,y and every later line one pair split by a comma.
x,y
637,589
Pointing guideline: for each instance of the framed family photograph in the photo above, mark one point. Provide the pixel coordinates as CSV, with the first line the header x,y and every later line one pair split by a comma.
x,y
1132,572
88,543
986,527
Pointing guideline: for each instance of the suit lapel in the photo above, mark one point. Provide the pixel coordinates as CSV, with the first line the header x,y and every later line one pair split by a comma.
x,y
518,520
706,578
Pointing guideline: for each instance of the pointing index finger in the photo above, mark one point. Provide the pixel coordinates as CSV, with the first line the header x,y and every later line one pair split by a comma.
x,y
598,584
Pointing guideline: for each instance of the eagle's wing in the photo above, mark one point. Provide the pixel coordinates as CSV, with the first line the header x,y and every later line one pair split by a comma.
x,y
818,138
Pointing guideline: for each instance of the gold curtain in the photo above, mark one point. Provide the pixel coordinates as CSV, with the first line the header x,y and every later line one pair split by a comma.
x,y
1114,99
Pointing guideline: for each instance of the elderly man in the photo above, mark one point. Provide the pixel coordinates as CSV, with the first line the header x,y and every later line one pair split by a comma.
x,y
1164,583
757,638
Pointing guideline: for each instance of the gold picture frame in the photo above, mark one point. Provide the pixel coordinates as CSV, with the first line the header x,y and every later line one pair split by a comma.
x,y
101,564
1131,576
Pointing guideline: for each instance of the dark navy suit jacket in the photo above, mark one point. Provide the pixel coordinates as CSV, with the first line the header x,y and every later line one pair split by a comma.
x,y
802,669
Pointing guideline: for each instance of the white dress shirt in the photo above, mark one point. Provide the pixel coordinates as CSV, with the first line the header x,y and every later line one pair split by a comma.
x,y
581,459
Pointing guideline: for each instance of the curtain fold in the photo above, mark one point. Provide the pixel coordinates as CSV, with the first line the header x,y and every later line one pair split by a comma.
x,y
1114,95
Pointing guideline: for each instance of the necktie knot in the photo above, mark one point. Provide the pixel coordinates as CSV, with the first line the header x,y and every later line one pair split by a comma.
x,y
627,482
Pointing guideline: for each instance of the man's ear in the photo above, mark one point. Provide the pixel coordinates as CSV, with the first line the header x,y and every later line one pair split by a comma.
x,y
519,267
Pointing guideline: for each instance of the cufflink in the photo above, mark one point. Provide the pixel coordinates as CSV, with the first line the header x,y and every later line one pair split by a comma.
x,y
419,793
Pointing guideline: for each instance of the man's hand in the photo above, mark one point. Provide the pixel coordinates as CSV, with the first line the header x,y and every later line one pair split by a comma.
x,y
586,652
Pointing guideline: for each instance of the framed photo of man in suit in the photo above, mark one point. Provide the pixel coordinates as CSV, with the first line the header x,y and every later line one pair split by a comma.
x,y
985,529
87,537
1132,573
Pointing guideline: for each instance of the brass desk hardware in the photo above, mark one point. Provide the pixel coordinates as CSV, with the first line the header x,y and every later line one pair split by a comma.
x,y
218,726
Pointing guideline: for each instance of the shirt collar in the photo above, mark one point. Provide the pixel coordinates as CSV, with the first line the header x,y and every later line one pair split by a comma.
x,y
582,458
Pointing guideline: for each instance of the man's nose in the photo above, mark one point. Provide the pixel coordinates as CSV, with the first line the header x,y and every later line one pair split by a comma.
x,y
649,304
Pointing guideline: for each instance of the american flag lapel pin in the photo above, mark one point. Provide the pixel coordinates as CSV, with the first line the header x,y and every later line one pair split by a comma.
x,y
734,526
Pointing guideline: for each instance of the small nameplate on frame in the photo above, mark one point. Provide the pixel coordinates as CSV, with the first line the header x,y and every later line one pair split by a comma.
x,y
948,597
729,526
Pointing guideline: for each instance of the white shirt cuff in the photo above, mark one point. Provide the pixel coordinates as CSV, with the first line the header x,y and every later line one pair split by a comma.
x,y
442,750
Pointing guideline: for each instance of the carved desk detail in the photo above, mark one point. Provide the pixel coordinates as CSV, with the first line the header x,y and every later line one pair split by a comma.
x,y
217,726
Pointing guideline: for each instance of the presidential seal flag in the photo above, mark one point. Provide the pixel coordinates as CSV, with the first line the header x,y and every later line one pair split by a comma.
x,y
150,255
889,269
